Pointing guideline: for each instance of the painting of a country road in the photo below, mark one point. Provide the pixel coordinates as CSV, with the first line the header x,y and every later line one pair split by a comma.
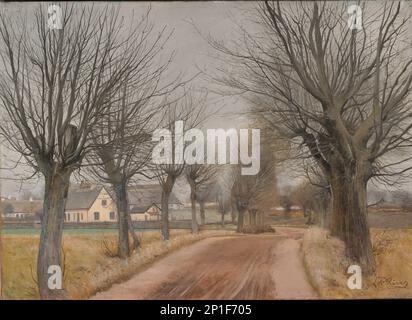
x,y
206,150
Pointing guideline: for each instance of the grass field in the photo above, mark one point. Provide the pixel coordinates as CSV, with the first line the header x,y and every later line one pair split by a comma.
x,y
86,266
326,265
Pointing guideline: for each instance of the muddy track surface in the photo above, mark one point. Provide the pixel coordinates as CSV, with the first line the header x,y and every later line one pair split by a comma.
x,y
264,266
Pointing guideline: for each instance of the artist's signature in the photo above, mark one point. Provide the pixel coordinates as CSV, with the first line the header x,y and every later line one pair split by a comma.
x,y
387,282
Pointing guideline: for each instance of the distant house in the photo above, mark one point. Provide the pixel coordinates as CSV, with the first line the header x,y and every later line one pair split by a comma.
x,y
90,203
21,209
145,213
145,202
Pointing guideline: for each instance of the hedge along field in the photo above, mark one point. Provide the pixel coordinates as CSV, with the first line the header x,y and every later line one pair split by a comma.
x,y
212,216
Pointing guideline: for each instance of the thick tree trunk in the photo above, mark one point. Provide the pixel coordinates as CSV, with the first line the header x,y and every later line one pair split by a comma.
x,y
122,212
240,220
202,212
136,240
252,214
222,218
348,219
166,190
165,215
339,204
358,242
195,226
309,216
49,255
322,208
233,210
324,214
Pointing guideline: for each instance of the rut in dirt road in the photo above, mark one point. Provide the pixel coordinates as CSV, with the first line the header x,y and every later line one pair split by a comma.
x,y
241,267
235,268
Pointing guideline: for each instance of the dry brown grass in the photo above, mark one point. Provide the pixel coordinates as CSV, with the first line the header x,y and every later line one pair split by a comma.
x,y
87,268
326,265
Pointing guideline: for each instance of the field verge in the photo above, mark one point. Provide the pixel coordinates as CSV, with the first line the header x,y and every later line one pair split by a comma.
x,y
326,265
87,267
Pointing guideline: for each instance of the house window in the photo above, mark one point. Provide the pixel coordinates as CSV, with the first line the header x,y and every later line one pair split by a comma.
x,y
82,216
68,217
97,215
112,216
104,202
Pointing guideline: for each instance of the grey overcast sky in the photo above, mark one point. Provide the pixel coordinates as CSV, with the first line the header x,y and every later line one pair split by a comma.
x,y
214,17
191,52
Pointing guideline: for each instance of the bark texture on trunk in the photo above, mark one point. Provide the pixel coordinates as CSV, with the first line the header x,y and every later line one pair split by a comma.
x,y
165,215
320,213
233,210
166,190
252,215
348,219
202,212
55,196
240,220
195,226
358,242
136,240
339,204
123,226
125,222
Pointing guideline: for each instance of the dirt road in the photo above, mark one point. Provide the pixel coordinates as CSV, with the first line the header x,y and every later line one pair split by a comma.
x,y
240,267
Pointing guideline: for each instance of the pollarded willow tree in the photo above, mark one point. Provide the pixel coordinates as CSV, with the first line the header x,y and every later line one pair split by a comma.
x,y
252,194
55,86
245,188
123,137
182,112
343,92
122,142
198,176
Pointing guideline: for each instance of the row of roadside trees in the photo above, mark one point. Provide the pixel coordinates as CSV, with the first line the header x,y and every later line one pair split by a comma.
x,y
340,93
86,98
89,96
92,93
